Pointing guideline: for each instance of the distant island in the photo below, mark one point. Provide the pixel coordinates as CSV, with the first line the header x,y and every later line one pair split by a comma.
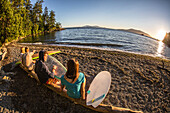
x,y
166,39
139,32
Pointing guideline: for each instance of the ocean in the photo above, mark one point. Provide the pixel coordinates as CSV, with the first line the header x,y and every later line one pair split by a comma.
x,y
101,38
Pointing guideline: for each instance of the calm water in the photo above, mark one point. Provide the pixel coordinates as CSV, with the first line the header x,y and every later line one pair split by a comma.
x,y
104,39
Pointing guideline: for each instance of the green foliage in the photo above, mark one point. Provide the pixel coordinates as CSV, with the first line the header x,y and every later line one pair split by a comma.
x,y
6,20
52,19
19,18
45,19
58,25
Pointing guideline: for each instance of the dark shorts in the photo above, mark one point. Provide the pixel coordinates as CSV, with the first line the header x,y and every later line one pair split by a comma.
x,y
0,57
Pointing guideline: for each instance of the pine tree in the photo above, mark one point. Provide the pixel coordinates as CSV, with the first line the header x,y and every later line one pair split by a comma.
x,y
52,20
45,19
28,6
7,21
37,18
18,18
58,25
26,17
18,6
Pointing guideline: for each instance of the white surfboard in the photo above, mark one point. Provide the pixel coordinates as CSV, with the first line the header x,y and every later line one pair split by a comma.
x,y
98,89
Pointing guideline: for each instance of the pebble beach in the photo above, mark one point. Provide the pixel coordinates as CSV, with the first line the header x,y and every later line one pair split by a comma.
x,y
138,82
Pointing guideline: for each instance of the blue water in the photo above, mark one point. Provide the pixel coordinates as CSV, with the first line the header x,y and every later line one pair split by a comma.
x,y
104,39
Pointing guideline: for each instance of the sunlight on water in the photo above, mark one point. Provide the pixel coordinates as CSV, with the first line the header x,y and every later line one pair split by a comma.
x,y
106,39
160,35
160,48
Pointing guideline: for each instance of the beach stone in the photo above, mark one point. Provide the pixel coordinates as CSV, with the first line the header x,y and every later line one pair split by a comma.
x,y
134,100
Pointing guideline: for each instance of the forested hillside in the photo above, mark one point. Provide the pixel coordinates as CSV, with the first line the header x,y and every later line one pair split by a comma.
x,y
20,18
166,39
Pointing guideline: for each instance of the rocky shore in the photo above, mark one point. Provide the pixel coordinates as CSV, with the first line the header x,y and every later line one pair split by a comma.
x,y
138,82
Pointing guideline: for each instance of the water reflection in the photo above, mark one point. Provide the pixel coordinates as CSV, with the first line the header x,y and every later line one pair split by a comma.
x,y
130,42
58,36
160,49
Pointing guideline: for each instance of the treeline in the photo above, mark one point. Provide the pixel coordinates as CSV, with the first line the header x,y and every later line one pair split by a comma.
x,y
19,18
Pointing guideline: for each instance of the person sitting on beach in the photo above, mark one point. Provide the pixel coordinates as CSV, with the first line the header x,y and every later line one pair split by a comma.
x,y
73,80
41,69
22,51
27,59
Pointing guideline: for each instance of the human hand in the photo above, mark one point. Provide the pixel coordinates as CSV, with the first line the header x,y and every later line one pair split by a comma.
x,y
55,73
83,98
54,67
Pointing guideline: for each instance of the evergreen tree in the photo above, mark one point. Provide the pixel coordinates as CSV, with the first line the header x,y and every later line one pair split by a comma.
x,y
16,3
46,19
6,23
18,6
26,17
18,18
28,6
52,20
58,25
37,18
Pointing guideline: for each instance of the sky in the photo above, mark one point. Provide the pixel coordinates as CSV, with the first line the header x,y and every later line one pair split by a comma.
x,y
150,16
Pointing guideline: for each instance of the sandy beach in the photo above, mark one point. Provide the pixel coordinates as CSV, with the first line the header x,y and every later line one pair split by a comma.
x,y
139,82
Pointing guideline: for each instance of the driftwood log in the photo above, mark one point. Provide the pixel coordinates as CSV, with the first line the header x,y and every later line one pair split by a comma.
x,y
100,108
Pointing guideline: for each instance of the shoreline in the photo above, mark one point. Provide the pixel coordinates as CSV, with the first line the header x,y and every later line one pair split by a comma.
x,y
32,35
93,48
139,82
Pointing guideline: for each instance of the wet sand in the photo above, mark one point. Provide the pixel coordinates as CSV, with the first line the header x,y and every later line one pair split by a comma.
x,y
138,82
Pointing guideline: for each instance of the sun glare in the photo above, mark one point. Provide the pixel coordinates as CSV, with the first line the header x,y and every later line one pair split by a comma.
x,y
161,34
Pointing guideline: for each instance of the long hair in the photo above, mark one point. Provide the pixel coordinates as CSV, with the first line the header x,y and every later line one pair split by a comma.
x,y
72,69
26,49
41,55
22,49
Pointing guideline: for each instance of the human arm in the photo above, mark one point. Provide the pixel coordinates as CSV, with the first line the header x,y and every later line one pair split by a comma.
x,y
62,83
47,71
54,69
34,61
34,51
31,53
83,89
62,87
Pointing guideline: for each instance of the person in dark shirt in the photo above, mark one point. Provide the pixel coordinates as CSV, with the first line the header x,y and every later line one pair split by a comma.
x,y
41,69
